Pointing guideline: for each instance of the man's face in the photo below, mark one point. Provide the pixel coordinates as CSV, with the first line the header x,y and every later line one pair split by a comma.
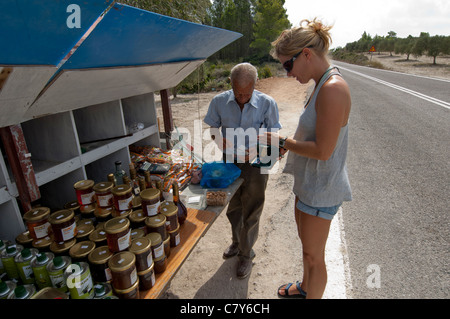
x,y
243,94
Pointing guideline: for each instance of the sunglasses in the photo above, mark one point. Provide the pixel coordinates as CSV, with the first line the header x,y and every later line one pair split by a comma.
x,y
289,64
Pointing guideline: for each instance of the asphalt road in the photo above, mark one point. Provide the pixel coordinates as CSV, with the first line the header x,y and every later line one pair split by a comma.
x,y
397,226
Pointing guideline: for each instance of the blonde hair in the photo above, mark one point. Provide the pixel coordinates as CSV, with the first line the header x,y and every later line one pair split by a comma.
x,y
244,74
313,34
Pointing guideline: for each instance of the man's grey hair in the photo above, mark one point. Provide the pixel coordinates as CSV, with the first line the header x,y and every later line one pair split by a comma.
x,y
243,74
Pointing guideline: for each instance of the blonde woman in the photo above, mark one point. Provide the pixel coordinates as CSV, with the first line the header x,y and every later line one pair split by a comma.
x,y
317,151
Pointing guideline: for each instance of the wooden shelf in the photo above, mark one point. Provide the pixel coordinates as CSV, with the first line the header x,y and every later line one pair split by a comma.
x,y
195,226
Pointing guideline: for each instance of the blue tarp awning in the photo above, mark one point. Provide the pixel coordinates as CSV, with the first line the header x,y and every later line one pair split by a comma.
x,y
68,54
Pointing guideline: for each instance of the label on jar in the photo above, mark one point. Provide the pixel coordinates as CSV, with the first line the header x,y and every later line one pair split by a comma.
x,y
159,251
108,274
42,230
133,276
149,260
69,231
153,209
177,239
105,200
88,198
125,241
58,280
125,204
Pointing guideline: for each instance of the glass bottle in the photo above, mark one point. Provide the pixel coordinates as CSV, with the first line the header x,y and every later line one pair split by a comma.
x,y
182,210
112,179
159,186
134,180
148,180
119,173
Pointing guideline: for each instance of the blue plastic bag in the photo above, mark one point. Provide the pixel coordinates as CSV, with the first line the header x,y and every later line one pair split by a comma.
x,y
219,174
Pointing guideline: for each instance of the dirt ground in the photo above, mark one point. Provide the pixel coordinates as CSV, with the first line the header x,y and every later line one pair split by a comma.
x,y
205,274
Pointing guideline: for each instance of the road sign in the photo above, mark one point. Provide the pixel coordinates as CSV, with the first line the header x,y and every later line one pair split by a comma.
x,y
372,49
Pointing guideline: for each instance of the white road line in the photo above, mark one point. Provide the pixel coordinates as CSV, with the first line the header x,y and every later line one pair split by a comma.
x,y
336,258
400,88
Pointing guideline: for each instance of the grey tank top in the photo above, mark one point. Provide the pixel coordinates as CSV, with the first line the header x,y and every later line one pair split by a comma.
x,y
319,183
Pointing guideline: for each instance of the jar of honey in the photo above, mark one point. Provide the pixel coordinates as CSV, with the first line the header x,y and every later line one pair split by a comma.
x,y
118,234
98,259
147,278
103,214
103,194
142,249
24,239
160,264
42,244
157,245
85,192
83,231
73,205
122,197
123,270
150,201
37,222
137,219
167,246
175,237
130,293
62,249
88,212
157,224
98,236
80,251
63,225
169,210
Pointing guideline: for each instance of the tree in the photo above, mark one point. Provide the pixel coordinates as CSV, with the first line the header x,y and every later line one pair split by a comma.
x,y
270,20
192,10
234,15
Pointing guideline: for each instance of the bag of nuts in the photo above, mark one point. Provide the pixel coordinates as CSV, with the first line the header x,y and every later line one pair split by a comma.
x,y
216,198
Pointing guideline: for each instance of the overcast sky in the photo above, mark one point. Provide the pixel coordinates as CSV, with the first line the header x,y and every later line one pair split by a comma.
x,y
377,17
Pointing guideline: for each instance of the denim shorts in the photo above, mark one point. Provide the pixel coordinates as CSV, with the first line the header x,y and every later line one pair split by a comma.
x,y
322,212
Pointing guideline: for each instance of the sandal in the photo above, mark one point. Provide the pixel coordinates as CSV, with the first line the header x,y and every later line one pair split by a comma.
x,y
301,295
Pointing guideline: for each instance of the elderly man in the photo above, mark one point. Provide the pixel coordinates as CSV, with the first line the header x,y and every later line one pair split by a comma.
x,y
243,109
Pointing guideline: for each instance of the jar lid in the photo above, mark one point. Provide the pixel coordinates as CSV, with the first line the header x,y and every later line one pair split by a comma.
x,y
58,248
140,245
168,208
73,205
155,221
84,230
81,249
103,212
117,225
146,271
24,238
174,231
87,209
36,214
150,193
42,242
83,185
137,216
103,187
137,233
97,235
120,190
128,290
100,255
122,261
155,238
61,216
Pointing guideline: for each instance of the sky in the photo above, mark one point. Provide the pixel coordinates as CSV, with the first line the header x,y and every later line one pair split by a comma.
x,y
377,17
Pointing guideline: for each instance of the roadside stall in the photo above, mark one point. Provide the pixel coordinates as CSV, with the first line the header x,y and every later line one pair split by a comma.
x,y
77,107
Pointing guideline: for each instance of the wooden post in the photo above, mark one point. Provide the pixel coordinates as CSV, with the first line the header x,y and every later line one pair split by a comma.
x,y
167,116
19,159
